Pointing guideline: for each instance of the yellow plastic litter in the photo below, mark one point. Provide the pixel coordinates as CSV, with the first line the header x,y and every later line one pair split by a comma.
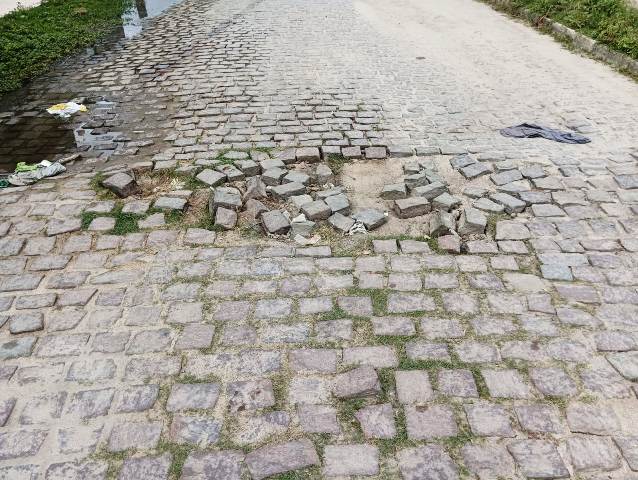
x,y
65,110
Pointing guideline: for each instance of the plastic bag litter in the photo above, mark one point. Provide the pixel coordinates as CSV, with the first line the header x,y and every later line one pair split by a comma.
x,y
27,178
65,110
357,227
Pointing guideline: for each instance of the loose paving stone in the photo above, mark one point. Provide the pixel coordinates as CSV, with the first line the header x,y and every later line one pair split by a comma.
x,y
122,184
345,460
280,458
538,459
371,218
426,462
275,222
411,207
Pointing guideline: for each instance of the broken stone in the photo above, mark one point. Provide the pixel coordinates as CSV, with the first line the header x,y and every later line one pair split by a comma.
x,y
248,167
255,189
475,170
232,173
323,174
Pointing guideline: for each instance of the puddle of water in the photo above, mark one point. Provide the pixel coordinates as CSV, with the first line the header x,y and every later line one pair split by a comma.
x,y
32,139
132,24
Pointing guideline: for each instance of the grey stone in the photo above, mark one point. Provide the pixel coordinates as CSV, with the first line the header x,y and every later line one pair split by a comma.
x,y
371,218
413,387
308,154
488,419
431,191
135,399
429,462
26,322
457,383
192,396
222,465
626,363
592,419
6,407
510,230
377,421
21,443
488,461
275,222
475,170
339,204
395,191
359,382
77,470
287,190
134,435
538,459
445,202
211,177
429,423
255,189
122,184
318,419
170,203
316,210
188,429
323,174
506,384
510,203
280,458
442,223
341,222
250,395
225,218
18,347
593,453
411,207
354,459
273,176
472,221
146,468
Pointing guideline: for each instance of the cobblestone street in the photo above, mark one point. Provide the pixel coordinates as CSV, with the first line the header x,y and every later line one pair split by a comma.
x,y
138,341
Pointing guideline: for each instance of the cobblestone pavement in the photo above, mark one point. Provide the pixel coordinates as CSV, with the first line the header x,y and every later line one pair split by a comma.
x,y
189,354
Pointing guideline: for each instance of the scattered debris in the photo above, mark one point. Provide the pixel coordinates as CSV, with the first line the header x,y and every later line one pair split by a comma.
x,y
529,130
65,110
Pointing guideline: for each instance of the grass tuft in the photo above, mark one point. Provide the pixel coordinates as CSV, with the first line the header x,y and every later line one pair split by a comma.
x,y
32,39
